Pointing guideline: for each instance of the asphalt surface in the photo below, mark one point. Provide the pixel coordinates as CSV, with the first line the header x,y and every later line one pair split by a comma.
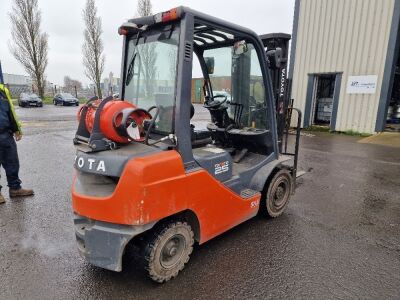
x,y
338,239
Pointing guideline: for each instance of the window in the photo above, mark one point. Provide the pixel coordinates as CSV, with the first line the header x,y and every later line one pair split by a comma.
x,y
257,104
66,95
150,75
201,116
239,78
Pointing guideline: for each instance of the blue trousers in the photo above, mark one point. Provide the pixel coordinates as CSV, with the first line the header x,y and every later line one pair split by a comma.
x,y
9,160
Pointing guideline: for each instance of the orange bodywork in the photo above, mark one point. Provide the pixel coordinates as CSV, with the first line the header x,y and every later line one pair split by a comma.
x,y
154,187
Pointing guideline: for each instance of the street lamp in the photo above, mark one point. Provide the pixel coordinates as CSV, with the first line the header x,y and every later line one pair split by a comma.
x,y
51,87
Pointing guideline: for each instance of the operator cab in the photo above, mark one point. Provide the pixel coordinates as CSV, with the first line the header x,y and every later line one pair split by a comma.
x,y
239,119
157,69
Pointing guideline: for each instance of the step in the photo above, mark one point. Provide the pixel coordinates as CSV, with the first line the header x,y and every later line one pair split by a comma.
x,y
248,193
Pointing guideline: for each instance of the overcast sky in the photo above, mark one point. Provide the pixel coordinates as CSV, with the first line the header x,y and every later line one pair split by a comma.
x,y
62,20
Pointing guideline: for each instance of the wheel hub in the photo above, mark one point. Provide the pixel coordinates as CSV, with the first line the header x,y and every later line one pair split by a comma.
x,y
280,194
172,251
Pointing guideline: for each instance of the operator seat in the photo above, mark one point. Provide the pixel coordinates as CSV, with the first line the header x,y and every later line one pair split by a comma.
x,y
253,139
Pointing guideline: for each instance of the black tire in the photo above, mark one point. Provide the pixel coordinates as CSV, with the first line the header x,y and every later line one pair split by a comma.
x,y
55,102
167,250
278,193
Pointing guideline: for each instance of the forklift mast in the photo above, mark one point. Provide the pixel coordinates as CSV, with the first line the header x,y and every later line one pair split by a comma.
x,y
277,49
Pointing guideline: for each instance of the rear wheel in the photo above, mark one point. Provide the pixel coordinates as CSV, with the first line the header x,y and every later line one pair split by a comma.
x,y
278,193
168,250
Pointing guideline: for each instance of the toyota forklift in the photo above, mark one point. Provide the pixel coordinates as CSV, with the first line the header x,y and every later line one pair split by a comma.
x,y
146,176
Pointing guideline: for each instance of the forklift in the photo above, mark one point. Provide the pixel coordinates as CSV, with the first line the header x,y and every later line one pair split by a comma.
x,y
146,176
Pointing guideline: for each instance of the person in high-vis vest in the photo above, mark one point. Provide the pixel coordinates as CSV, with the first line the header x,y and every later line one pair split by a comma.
x,y
10,131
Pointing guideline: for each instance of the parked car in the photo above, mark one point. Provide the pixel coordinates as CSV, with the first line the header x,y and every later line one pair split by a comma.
x,y
29,99
65,99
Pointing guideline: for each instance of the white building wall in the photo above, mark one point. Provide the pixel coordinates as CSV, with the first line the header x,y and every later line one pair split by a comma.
x,y
14,79
348,36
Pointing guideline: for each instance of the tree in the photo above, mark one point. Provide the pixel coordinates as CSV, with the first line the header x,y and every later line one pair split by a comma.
x,y
71,84
93,57
144,8
147,51
30,45
173,60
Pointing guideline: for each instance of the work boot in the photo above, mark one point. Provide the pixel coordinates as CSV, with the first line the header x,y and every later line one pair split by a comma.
x,y
20,193
2,199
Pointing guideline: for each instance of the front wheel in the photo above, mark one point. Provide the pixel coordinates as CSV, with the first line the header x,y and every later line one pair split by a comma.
x,y
168,250
278,193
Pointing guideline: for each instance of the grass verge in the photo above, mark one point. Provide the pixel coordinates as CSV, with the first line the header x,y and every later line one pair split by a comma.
x,y
316,128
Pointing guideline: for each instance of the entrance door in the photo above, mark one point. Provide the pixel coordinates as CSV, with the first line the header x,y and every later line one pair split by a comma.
x,y
393,114
323,99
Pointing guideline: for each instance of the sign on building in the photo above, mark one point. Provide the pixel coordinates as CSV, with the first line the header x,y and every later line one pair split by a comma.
x,y
364,84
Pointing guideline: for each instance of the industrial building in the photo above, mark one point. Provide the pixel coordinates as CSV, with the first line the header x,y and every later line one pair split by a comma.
x,y
17,83
344,68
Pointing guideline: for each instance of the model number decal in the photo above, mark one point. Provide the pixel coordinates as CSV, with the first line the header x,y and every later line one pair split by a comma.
x,y
254,203
221,167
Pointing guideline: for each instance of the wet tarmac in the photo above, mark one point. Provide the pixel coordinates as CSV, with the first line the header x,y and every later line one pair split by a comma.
x,y
339,238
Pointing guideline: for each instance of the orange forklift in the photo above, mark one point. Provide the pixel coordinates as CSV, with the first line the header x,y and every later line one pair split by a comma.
x,y
145,175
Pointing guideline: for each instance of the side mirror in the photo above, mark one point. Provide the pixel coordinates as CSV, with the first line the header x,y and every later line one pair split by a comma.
x,y
275,58
210,64
240,48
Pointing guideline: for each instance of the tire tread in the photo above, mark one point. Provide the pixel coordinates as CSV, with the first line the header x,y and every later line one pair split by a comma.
x,y
153,241
276,175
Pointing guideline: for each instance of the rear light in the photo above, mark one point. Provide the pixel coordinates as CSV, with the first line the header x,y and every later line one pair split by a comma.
x,y
122,31
142,23
170,15
167,16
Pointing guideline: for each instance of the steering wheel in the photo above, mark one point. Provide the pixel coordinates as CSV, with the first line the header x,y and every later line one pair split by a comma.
x,y
214,103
